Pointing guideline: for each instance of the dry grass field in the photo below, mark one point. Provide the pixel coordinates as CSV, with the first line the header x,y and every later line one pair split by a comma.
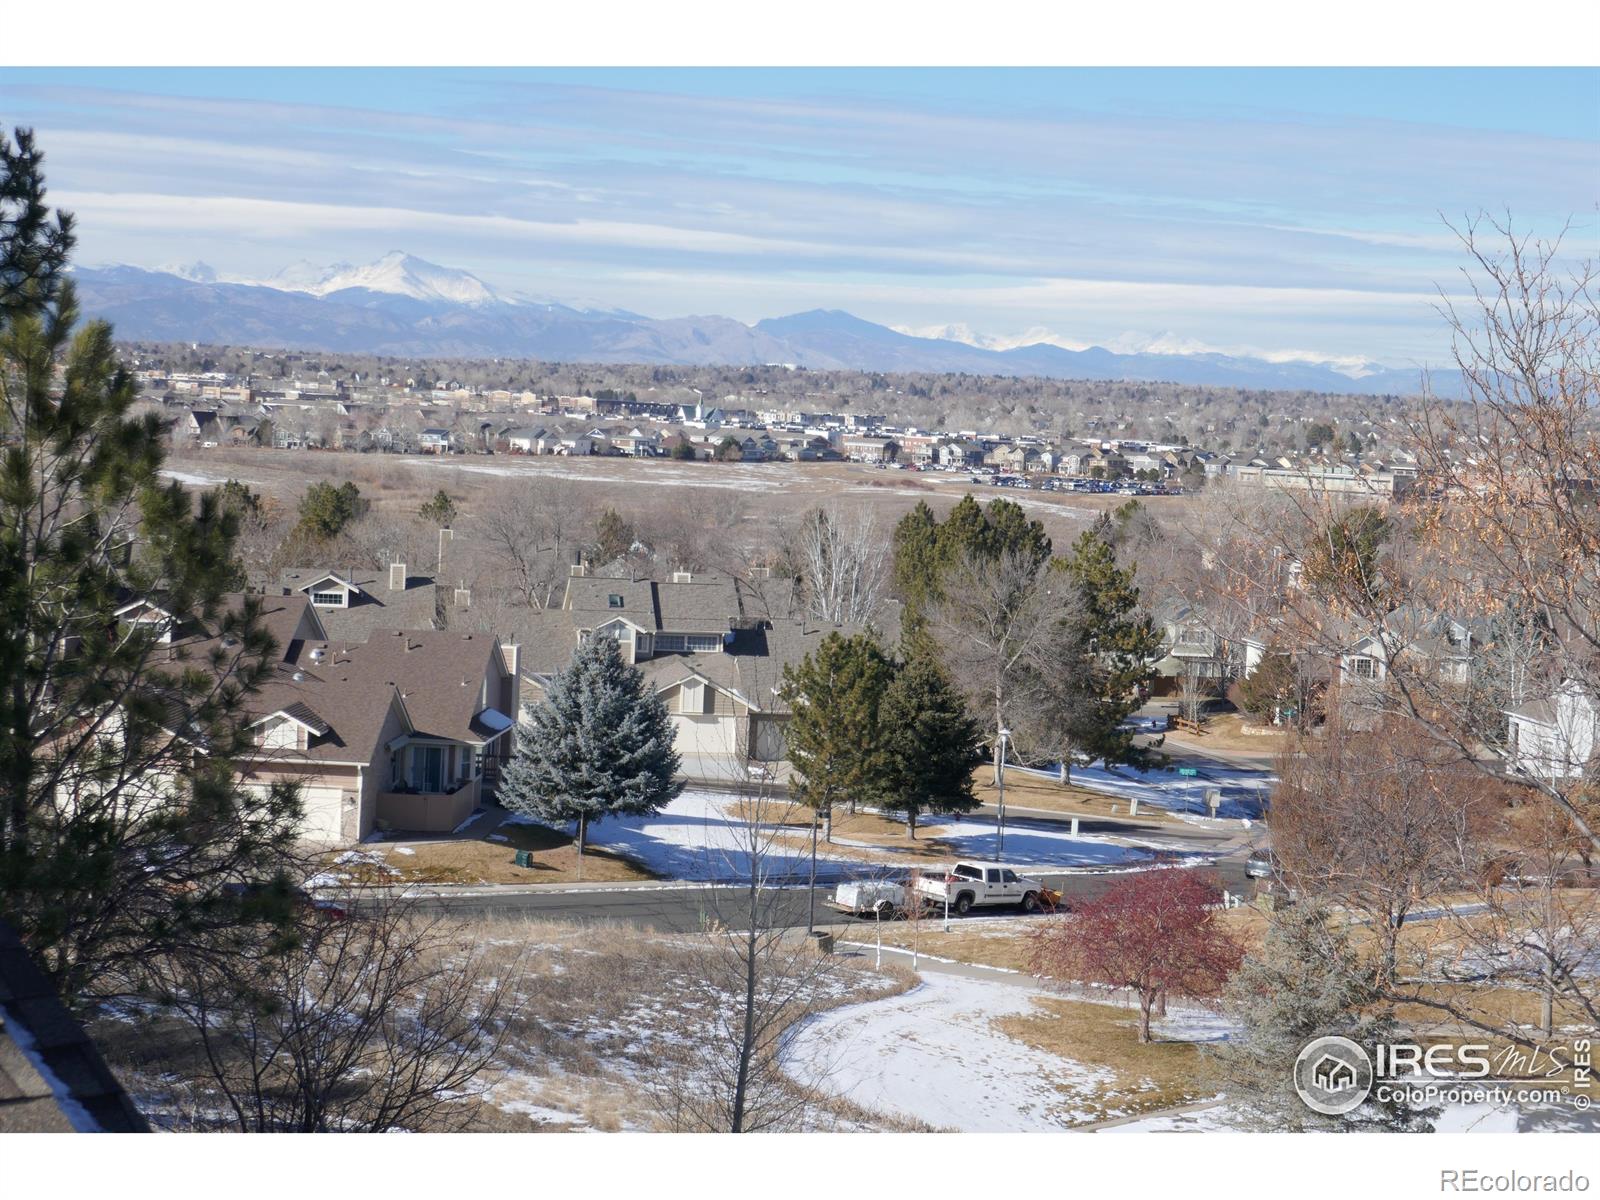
x,y
1145,1077
400,483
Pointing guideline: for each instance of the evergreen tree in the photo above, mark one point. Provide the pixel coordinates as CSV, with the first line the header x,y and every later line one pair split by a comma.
x,y
1344,561
916,564
930,744
325,510
613,536
833,740
1111,649
122,818
440,511
1305,981
926,549
1275,690
600,745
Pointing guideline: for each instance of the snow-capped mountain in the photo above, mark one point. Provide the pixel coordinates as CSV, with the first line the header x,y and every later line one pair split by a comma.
x,y
395,274
195,272
404,305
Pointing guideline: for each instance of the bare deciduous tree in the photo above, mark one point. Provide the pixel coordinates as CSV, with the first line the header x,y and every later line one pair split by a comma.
x,y
530,528
1001,624
378,1020
844,562
755,978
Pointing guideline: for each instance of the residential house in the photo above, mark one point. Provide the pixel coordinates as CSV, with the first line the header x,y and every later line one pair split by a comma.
x,y
637,443
960,454
1190,646
1553,740
713,647
864,448
353,604
434,440
403,730
1435,642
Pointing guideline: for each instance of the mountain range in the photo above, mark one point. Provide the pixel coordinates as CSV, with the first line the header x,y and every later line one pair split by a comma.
x,y
404,306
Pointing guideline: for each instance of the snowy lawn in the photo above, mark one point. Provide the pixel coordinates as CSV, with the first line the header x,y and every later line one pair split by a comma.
x,y
933,1055
988,1053
697,837
1244,789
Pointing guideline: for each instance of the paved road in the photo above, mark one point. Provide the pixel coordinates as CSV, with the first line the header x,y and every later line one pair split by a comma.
x,y
680,908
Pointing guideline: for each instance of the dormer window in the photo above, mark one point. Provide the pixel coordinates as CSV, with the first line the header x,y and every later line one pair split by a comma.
x,y
614,600
328,599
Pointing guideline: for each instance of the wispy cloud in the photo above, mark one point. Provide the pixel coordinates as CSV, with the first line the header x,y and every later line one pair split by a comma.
x,y
1258,224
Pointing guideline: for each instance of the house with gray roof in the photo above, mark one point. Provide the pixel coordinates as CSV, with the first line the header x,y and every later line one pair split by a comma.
x,y
712,646
354,603
403,729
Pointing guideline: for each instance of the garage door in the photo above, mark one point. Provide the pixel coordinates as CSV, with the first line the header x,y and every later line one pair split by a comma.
x,y
324,809
770,746
707,735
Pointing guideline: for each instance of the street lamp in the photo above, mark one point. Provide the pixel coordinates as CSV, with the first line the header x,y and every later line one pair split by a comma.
x,y
1000,783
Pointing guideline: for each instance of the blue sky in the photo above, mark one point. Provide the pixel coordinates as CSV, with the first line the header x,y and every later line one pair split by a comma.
x,y
1279,211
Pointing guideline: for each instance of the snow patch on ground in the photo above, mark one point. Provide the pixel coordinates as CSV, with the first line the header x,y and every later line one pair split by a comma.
x,y
695,837
933,1055
1244,789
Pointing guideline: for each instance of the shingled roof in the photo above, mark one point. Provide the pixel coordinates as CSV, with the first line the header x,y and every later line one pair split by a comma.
x,y
52,1079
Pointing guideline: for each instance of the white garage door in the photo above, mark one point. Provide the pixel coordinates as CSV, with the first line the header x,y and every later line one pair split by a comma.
x,y
324,809
707,735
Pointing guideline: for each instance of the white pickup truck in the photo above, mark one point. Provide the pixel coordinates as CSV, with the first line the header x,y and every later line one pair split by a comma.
x,y
969,885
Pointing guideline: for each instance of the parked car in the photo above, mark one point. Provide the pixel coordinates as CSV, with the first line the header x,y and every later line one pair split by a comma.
x,y
1262,864
970,885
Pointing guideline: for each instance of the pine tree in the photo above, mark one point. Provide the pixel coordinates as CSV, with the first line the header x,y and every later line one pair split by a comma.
x,y
1111,651
601,745
926,550
325,510
930,744
833,739
440,511
1274,690
613,536
122,816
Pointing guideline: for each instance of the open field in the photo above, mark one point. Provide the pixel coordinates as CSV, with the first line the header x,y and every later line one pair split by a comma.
x,y
400,483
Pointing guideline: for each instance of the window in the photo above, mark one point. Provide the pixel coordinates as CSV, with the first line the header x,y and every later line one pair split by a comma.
x,y
705,642
614,600
966,872
1363,668
994,876
692,697
1008,876
671,643
427,768
328,599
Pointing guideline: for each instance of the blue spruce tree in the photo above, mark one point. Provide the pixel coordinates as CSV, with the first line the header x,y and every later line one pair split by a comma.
x,y
600,745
